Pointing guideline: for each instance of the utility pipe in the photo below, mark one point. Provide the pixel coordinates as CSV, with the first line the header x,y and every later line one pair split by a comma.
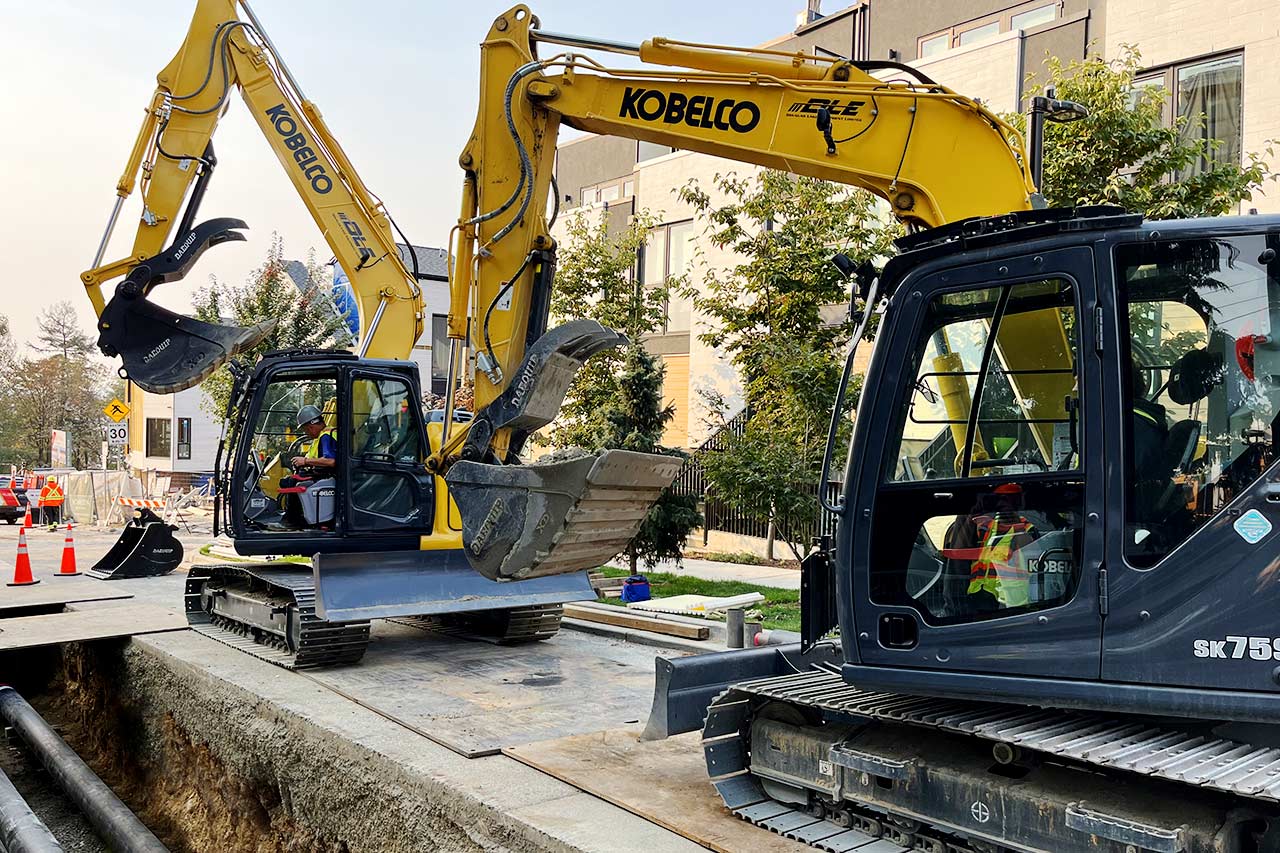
x,y
112,819
20,830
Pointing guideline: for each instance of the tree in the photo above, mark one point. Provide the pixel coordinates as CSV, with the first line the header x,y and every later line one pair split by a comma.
x,y
779,316
59,332
1122,152
615,401
634,419
595,278
305,316
58,393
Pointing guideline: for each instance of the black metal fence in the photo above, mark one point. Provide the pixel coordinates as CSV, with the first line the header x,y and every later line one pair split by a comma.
x,y
751,519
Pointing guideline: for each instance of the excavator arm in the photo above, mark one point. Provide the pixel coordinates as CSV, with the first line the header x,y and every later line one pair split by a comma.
x,y
173,160
935,155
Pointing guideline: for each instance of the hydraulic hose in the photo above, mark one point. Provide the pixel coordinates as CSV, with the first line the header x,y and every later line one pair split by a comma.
x,y
114,823
20,830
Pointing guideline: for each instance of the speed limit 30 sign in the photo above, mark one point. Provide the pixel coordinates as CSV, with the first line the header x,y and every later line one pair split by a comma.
x,y
118,434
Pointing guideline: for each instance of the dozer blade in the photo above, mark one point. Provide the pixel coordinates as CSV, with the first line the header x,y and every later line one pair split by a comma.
x,y
146,548
161,351
558,515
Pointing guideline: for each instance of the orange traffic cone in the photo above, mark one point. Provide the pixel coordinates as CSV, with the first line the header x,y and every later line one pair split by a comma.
x,y
26,519
22,570
68,569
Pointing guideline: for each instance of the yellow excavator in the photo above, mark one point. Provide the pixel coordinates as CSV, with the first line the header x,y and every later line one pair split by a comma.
x,y
1053,572
438,516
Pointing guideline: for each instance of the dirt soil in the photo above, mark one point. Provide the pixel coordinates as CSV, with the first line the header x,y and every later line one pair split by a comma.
x,y
178,788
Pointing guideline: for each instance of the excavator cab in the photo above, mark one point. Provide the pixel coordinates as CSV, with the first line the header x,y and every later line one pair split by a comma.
x,y
1062,473
377,496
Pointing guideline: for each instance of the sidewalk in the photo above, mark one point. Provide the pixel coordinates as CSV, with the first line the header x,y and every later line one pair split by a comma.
x,y
711,570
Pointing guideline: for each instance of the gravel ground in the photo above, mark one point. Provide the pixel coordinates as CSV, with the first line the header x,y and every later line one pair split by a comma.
x,y
49,804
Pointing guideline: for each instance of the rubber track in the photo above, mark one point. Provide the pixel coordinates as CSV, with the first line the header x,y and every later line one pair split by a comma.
x,y
1104,742
321,643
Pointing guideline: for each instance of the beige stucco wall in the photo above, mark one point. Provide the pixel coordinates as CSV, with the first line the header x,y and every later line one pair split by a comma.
x,y
990,71
1168,31
709,370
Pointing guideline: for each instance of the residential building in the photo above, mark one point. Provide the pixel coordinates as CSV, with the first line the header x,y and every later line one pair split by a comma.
x,y
1217,59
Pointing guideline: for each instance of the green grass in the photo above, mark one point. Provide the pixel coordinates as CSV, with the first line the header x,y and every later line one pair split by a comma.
x,y
207,551
779,610
745,558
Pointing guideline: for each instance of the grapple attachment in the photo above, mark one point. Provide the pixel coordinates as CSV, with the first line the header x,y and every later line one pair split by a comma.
x,y
161,351
556,516
146,548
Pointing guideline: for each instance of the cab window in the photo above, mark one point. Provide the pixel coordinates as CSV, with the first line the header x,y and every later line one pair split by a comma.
x,y
1201,381
980,513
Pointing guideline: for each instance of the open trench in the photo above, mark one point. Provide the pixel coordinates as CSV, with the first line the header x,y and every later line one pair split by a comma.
x,y
209,773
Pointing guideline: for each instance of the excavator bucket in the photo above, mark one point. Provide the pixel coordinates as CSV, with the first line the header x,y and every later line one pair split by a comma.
x,y
558,515
146,548
163,352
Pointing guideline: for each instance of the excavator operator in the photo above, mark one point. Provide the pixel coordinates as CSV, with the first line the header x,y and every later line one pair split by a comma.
x,y
310,490
322,452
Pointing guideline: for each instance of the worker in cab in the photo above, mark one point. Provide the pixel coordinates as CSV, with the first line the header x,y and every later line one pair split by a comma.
x,y
308,495
322,452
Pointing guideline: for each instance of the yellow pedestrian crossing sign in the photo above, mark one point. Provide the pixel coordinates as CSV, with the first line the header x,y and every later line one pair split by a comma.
x,y
116,410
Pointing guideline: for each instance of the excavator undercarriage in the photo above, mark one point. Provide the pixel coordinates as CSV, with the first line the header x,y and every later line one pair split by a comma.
x,y
810,757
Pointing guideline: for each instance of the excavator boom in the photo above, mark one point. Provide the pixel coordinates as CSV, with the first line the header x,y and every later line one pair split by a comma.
x,y
164,352
935,155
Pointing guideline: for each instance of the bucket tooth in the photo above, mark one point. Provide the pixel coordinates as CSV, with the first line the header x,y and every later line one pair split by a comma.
x,y
558,515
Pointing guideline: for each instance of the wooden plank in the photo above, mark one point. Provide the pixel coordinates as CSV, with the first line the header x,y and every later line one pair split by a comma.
x,y
56,592
94,623
608,615
662,781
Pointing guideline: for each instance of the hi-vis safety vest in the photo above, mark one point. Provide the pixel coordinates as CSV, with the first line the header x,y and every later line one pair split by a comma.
x,y
1000,568
313,451
51,495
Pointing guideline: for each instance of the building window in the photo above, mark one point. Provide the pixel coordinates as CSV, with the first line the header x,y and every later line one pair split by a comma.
x,y
609,193
1022,16
158,430
934,45
628,189
184,438
590,196
985,31
650,150
1206,88
1034,17
669,254
439,353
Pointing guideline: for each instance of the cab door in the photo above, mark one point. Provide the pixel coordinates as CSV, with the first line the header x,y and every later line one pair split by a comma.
x,y
388,487
976,539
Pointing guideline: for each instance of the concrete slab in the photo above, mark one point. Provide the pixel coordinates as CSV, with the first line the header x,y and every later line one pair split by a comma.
x,y
477,698
53,597
100,623
663,781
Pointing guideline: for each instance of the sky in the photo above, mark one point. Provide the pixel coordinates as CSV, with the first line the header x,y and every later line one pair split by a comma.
x,y
396,82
